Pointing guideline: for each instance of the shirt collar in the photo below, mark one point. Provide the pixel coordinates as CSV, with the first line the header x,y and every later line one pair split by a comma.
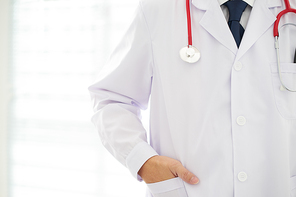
x,y
249,2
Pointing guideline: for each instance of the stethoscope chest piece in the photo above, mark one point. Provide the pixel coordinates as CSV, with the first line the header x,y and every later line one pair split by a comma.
x,y
189,54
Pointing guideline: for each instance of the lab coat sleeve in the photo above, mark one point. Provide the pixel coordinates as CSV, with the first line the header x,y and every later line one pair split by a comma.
x,y
122,90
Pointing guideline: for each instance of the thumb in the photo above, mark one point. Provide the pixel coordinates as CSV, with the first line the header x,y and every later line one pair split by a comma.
x,y
180,171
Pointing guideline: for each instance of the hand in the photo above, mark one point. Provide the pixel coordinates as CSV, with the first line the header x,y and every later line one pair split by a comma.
x,y
161,168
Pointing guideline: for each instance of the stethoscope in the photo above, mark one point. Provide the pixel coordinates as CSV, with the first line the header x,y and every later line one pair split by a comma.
x,y
190,53
276,41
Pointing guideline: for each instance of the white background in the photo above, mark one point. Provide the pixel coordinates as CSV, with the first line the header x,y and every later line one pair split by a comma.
x,y
56,49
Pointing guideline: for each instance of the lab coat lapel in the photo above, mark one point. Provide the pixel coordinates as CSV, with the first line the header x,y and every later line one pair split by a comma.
x,y
215,23
261,19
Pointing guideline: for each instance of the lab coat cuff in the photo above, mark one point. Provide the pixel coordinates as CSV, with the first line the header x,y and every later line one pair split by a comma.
x,y
138,156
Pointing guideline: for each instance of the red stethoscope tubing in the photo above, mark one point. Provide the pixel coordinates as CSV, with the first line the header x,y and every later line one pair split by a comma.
x,y
285,11
189,23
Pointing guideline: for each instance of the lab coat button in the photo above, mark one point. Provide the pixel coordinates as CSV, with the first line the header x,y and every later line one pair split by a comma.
x,y
238,66
241,120
242,176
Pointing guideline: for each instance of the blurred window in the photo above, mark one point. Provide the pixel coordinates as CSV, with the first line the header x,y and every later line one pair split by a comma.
x,y
58,47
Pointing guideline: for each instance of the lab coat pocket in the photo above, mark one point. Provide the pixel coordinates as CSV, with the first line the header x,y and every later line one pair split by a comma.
x,y
169,188
285,100
293,186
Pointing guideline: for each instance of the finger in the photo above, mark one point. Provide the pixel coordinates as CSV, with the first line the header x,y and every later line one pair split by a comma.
x,y
187,176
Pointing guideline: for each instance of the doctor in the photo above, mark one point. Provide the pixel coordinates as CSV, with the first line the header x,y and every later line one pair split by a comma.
x,y
220,127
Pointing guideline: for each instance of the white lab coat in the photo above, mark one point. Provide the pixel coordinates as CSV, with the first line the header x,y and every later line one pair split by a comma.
x,y
223,117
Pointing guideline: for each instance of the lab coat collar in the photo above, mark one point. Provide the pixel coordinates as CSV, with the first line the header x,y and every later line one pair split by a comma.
x,y
204,4
213,20
261,19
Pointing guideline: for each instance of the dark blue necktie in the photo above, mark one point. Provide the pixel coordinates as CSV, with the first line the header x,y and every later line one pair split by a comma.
x,y
236,9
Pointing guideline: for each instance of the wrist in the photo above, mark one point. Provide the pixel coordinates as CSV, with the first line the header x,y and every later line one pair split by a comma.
x,y
152,161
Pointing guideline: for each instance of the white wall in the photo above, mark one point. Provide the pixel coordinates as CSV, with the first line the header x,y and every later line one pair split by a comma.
x,y
4,62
